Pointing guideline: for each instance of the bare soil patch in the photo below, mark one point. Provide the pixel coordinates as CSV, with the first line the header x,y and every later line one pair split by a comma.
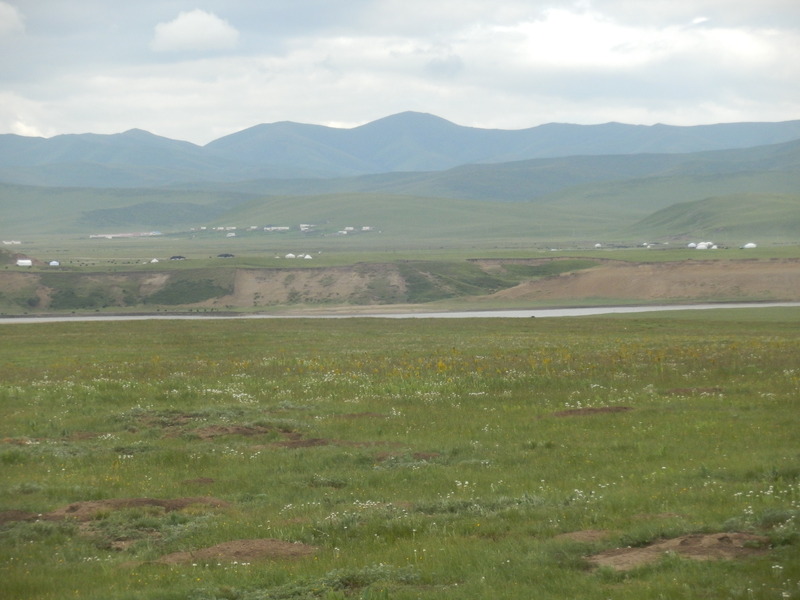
x,y
9,516
715,546
241,551
90,509
596,410
24,441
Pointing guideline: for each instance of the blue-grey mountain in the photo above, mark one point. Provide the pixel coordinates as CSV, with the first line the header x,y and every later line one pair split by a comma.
x,y
407,142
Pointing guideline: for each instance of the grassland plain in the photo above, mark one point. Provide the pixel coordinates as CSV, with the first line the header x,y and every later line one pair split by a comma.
x,y
371,458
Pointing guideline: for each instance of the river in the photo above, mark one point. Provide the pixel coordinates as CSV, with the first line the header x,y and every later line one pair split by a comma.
x,y
504,314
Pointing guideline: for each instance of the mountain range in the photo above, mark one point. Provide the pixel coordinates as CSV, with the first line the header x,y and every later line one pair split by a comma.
x,y
415,174
406,142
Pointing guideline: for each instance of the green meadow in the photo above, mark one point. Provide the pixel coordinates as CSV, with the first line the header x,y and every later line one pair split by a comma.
x,y
375,458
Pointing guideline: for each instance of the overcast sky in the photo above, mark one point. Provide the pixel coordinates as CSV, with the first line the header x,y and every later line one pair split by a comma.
x,y
199,69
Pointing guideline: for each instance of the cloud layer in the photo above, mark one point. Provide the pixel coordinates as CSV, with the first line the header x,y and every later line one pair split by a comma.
x,y
197,74
194,31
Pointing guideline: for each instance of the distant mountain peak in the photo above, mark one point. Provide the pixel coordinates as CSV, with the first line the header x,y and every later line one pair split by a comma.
x,y
409,118
415,115
138,132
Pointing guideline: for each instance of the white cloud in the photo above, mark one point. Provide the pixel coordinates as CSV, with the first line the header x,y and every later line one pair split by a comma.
x,y
194,31
11,20
22,116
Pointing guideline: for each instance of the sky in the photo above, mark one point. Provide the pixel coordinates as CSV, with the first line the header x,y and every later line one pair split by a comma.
x,y
197,70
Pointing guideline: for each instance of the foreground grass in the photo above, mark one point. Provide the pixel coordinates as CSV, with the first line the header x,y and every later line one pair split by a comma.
x,y
421,458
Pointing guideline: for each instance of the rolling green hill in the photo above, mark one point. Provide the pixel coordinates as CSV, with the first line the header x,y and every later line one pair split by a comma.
x,y
558,178
578,198
29,210
743,217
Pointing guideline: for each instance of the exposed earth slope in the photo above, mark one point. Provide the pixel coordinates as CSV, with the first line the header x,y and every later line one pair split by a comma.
x,y
486,283
684,281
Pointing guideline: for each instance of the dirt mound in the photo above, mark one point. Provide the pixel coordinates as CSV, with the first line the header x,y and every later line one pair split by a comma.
x,y
597,410
89,510
715,546
241,551
9,516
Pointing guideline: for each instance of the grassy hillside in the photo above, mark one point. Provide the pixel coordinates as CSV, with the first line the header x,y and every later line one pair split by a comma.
x,y
640,197
31,210
738,216
559,178
395,219
577,198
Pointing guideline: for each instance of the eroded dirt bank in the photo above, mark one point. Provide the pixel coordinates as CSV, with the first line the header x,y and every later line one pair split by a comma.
x,y
390,284
684,281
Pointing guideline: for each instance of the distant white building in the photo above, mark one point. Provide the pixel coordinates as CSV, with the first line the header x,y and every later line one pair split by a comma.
x,y
24,262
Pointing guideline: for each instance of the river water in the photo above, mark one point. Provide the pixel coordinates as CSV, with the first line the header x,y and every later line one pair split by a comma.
x,y
505,314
